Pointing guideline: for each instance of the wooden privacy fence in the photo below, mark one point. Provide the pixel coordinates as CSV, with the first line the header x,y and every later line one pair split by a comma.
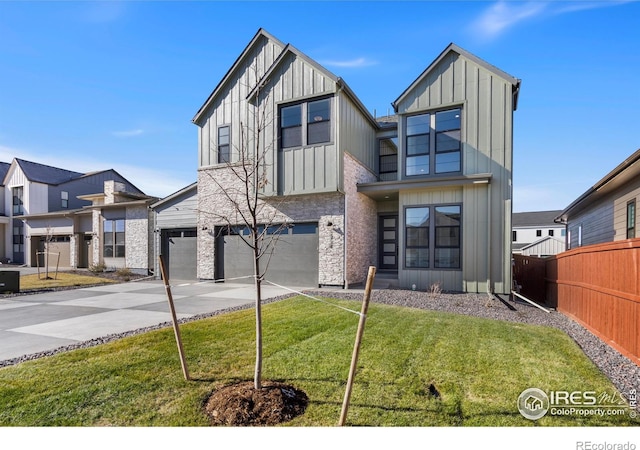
x,y
596,285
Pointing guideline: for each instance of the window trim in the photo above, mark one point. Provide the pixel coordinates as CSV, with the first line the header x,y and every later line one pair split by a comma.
x,y
382,175
433,133
304,122
220,159
17,200
114,233
631,227
64,199
431,241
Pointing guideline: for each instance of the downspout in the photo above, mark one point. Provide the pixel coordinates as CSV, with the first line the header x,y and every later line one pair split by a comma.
x,y
489,290
340,168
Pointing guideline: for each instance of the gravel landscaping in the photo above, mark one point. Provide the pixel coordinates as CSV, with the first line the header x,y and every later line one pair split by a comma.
x,y
622,372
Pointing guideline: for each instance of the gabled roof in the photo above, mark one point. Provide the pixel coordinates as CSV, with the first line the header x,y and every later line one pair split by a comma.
x,y
287,50
627,170
169,198
534,218
41,173
259,35
4,169
470,56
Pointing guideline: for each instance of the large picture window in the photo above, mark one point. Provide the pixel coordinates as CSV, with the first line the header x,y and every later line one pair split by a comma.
x,y
114,238
315,115
439,131
439,225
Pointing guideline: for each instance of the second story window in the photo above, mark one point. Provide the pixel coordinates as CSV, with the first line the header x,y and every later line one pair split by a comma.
x,y
18,206
388,151
439,131
318,121
224,144
448,141
418,143
316,115
64,199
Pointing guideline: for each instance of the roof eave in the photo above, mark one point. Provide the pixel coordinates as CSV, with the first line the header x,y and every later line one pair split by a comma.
x,y
261,33
462,52
579,203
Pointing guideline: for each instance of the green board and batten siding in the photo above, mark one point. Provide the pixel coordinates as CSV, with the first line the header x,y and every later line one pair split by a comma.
x,y
487,101
293,77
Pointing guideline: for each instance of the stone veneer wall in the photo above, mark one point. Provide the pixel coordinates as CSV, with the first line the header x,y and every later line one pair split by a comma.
x,y
216,209
137,238
362,222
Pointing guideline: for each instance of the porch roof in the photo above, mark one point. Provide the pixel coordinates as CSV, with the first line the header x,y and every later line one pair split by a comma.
x,y
389,190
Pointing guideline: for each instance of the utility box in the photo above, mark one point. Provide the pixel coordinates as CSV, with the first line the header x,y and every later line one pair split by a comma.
x,y
9,281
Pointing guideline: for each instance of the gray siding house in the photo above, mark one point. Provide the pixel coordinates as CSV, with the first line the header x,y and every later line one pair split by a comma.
x,y
84,219
175,233
424,195
607,211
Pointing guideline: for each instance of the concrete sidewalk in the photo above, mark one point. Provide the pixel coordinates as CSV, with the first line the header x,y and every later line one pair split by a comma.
x,y
42,322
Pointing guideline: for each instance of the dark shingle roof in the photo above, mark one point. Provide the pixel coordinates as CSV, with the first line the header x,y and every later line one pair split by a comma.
x,y
535,218
4,168
41,173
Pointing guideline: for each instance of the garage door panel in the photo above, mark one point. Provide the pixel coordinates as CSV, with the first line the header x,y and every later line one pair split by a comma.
x,y
293,260
182,248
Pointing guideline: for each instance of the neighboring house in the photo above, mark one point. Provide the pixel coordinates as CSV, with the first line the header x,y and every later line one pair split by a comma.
x,y
424,195
84,219
607,211
175,230
536,233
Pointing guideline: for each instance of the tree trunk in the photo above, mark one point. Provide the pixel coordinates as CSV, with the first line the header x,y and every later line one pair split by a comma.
x,y
257,378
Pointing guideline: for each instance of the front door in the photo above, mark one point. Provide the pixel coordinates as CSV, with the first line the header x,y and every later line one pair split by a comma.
x,y
388,239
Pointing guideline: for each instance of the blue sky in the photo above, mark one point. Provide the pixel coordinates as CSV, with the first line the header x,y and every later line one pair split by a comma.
x,y
97,85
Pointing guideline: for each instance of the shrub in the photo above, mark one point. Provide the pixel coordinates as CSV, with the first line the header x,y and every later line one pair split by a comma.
x,y
97,268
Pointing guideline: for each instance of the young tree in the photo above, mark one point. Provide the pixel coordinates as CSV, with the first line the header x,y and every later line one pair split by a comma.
x,y
245,205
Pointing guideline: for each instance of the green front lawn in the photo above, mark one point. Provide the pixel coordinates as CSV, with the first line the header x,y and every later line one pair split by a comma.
x,y
479,367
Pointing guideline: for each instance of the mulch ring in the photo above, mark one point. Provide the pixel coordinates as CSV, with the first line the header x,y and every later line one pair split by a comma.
x,y
241,405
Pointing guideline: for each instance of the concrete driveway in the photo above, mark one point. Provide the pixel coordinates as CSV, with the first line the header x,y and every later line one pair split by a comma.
x,y
31,324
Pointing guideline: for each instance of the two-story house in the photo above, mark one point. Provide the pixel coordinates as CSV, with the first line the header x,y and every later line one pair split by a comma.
x,y
84,219
535,233
424,195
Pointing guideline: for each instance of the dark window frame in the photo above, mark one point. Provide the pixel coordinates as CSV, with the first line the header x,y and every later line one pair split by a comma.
x,y
110,246
631,219
434,246
305,136
64,199
224,150
432,147
387,160
17,192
